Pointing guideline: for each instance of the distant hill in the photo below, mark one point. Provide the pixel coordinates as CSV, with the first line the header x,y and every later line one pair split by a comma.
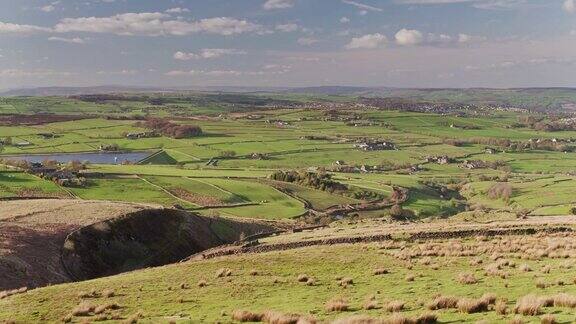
x,y
71,91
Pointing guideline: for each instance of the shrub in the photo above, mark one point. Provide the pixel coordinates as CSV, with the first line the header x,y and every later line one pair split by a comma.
x,y
501,190
380,271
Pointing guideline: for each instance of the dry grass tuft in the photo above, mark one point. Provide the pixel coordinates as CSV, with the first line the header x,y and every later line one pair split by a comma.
x,y
254,272
224,272
443,302
564,300
344,282
303,278
246,316
273,317
380,271
469,305
467,278
371,303
8,293
528,305
548,319
108,293
395,306
102,308
202,283
409,278
517,320
84,309
501,307
337,304
546,269
524,267
88,294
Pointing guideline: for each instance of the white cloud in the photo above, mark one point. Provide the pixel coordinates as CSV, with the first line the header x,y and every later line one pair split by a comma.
x,y
408,37
278,4
177,10
75,40
344,20
307,41
40,73
155,24
48,8
362,6
267,70
480,4
370,41
121,72
16,29
207,53
569,6
287,28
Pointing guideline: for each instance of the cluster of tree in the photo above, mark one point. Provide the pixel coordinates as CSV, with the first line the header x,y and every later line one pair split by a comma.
x,y
501,190
227,154
550,124
322,181
6,141
170,129
491,141
109,147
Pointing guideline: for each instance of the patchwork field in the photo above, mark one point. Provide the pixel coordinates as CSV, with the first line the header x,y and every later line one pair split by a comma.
x,y
287,208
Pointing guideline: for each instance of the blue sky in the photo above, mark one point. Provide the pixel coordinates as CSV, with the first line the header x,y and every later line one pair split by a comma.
x,y
401,43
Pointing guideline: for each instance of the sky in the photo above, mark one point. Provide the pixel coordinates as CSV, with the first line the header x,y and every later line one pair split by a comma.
x,y
288,43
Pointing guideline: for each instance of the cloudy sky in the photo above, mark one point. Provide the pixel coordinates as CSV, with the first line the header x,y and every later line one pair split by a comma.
x,y
402,43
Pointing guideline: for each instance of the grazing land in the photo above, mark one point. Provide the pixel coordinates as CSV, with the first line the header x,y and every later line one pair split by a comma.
x,y
289,206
